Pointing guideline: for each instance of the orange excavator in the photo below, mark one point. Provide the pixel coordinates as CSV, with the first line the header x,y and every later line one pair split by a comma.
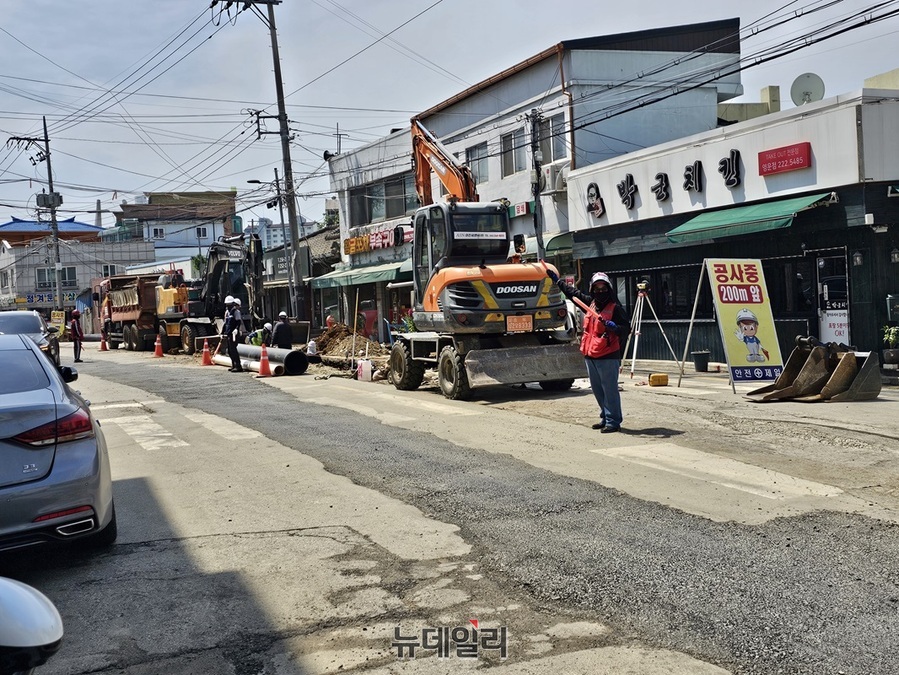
x,y
480,319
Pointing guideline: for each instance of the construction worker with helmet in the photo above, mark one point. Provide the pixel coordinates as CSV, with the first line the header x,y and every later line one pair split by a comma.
x,y
282,337
261,336
231,330
77,334
606,325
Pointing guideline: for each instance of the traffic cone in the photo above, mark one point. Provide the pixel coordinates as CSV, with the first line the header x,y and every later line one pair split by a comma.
x,y
207,355
103,347
265,369
158,353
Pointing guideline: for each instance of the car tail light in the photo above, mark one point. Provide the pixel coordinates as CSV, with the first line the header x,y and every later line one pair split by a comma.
x,y
62,514
69,428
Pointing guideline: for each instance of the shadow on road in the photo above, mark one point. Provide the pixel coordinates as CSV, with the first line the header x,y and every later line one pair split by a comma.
x,y
147,604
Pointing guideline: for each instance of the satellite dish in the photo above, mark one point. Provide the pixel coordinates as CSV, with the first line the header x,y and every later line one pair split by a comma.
x,y
807,88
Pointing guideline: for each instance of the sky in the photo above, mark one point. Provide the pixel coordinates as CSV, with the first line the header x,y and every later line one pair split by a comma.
x,y
158,95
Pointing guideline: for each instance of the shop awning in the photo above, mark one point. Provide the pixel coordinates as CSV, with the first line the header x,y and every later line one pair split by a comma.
x,y
360,275
561,242
744,219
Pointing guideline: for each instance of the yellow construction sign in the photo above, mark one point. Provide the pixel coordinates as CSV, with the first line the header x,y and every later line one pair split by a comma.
x,y
745,319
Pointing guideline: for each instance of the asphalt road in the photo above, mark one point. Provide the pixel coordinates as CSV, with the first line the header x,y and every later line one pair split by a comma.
x,y
809,588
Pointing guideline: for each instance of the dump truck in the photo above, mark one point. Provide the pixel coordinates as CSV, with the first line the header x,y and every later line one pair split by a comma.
x,y
817,371
480,318
128,309
143,306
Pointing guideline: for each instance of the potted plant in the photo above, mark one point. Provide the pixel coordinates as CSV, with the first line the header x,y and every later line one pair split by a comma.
x,y
891,344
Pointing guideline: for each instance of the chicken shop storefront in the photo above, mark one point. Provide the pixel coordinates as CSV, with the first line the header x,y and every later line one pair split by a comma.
x,y
813,192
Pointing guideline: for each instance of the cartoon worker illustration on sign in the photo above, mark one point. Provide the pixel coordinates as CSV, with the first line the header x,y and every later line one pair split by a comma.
x,y
746,332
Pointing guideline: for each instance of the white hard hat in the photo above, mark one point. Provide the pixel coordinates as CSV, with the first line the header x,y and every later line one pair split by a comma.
x,y
600,276
267,326
282,315
746,315
237,301
229,299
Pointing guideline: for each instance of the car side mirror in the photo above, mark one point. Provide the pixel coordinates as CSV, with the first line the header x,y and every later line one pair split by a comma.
x,y
69,374
52,329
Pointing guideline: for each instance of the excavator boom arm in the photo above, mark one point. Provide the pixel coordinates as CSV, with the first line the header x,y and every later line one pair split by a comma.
x,y
428,153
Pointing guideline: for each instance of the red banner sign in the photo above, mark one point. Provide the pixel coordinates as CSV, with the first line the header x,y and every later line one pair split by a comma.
x,y
789,158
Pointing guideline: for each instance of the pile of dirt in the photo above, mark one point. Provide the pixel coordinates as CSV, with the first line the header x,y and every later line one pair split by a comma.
x,y
338,341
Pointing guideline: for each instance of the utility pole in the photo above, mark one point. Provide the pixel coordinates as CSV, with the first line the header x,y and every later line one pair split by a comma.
x,y
299,308
291,287
54,201
300,305
536,118
50,201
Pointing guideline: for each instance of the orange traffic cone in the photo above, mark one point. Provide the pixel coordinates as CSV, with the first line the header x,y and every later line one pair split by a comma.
x,y
265,369
158,353
103,347
207,355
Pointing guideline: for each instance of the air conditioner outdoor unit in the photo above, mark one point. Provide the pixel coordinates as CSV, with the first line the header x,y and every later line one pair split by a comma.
x,y
556,179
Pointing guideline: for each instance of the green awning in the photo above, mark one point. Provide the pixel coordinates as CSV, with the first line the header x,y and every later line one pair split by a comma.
x,y
361,275
561,242
743,219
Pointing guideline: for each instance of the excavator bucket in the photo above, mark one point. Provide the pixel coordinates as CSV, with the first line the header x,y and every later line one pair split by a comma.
x,y
866,384
788,375
824,373
515,365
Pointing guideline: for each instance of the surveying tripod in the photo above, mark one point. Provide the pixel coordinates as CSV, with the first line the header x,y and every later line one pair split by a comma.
x,y
643,299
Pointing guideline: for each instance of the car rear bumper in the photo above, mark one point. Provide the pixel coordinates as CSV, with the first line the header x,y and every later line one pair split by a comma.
x,y
80,478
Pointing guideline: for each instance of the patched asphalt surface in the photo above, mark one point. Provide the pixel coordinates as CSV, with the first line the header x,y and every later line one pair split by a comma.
x,y
810,594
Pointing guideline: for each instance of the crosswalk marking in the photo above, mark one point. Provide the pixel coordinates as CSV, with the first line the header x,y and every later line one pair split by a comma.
x,y
722,471
147,433
221,426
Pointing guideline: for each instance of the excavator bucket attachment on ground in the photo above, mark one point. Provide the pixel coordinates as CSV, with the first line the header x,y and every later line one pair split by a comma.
x,y
788,375
816,372
866,384
515,365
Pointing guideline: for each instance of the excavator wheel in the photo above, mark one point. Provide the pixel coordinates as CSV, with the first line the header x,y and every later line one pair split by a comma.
x,y
556,385
188,339
451,375
405,373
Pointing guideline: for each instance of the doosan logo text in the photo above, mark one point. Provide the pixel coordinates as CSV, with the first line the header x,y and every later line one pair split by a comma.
x,y
506,290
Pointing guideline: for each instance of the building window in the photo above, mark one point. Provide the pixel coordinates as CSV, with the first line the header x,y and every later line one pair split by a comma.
x,y
476,158
552,139
47,280
513,149
201,233
109,270
158,233
378,201
4,279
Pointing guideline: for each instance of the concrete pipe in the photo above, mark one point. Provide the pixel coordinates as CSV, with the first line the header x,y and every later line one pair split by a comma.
x,y
248,364
295,361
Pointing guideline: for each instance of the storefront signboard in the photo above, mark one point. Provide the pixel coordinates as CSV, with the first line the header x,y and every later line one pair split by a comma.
x,y
788,158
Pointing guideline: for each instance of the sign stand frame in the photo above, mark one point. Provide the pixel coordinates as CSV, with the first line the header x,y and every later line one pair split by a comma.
x,y
702,273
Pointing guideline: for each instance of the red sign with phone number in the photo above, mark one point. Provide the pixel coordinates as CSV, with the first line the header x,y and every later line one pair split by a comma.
x,y
789,158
